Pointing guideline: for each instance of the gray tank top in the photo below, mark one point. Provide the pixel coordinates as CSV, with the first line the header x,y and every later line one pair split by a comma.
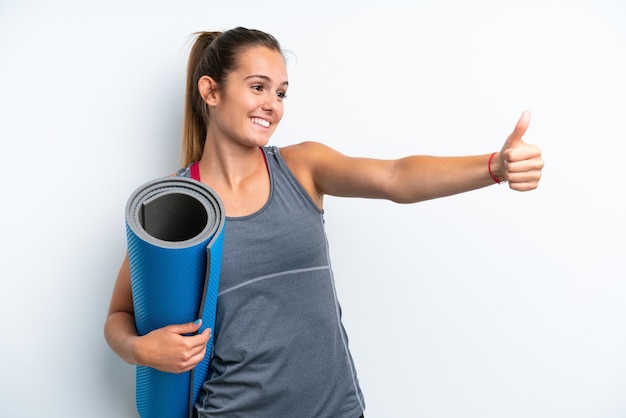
x,y
280,347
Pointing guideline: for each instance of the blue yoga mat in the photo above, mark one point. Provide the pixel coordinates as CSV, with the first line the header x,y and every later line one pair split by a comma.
x,y
175,232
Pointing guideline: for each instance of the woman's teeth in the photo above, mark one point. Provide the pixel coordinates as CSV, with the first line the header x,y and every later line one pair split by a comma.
x,y
261,122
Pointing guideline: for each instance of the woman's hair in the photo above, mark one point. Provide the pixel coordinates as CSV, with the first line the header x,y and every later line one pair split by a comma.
x,y
214,54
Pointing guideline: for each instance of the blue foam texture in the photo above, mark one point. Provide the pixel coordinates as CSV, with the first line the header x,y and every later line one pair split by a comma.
x,y
174,281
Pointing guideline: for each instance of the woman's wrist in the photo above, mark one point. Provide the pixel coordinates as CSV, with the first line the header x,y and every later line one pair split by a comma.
x,y
494,166
134,351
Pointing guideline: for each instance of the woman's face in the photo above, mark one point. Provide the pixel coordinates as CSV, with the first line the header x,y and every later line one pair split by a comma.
x,y
250,103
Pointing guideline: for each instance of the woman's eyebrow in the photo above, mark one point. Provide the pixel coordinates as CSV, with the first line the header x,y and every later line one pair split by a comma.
x,y
264,77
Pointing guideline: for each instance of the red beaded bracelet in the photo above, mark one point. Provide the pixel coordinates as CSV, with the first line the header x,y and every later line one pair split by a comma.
x,y
497,180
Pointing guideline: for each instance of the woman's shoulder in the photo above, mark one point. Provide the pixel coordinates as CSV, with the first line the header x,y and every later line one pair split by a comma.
x,y
312,156
302,158
304,152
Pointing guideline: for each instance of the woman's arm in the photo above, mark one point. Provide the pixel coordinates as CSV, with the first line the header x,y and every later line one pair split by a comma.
x,y
165,349
323,170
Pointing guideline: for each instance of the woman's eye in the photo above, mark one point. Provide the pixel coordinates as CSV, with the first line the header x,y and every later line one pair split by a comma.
x,y
282,95
257,87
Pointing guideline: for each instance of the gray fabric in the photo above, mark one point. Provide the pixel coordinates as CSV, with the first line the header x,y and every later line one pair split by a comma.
x,y
280,348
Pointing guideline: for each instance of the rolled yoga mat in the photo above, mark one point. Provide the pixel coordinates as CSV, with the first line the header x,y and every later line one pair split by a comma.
x,y
175,232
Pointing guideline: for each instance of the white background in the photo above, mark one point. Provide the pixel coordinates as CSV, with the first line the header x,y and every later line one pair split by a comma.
x,y
490,304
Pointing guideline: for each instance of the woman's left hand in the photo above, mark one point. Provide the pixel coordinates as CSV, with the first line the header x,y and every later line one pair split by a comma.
x,y
520,163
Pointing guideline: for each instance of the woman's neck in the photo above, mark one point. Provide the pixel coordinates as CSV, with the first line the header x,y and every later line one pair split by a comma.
x,y
238,175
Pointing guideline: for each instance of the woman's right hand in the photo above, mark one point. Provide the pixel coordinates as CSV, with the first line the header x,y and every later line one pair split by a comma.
x,y
171,348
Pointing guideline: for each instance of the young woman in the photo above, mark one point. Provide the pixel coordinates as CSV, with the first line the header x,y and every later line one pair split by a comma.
x,y
280,347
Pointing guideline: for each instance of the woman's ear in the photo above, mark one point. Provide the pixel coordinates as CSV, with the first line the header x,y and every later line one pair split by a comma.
x,y
208,90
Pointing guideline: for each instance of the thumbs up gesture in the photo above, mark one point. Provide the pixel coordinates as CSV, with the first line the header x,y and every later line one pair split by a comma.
x,y
520,163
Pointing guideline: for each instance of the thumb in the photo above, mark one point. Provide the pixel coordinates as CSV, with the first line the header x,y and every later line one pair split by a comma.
x,y
515,139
